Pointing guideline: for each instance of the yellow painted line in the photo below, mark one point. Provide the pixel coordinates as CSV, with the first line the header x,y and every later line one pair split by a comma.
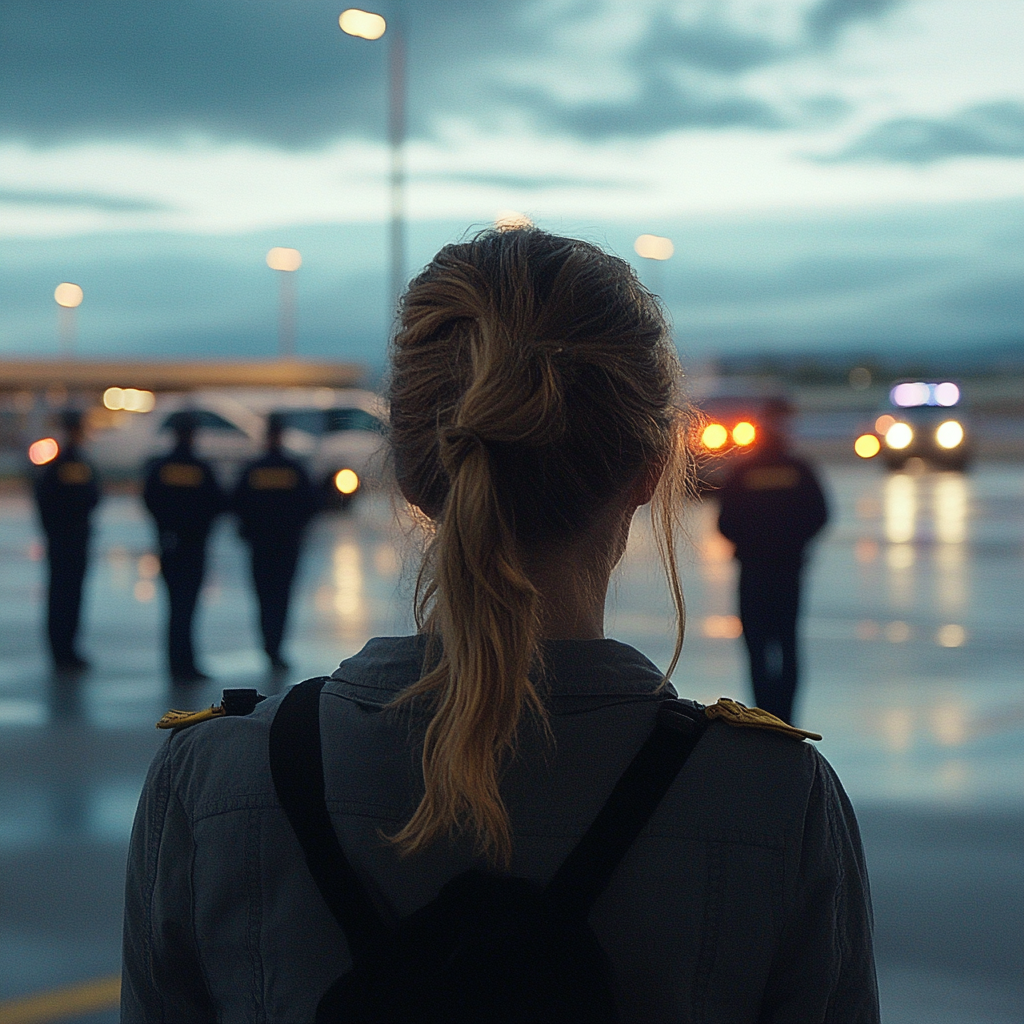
x,y
63,1003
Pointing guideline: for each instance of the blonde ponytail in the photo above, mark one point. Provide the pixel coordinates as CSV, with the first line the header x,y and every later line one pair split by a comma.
x,y
532,381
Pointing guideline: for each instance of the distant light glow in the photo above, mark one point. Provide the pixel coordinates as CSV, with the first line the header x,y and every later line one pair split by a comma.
x,y
362,24
68,295
714,436
899,435
129,400
910,396
281,258
949,434
883,423
654,247
860,378
744,433
511,220
951,635
907,396
145,591
722,627
867,446
43,451
346,481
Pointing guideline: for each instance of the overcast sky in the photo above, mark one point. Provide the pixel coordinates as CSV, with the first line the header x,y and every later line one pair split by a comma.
x,y
832,172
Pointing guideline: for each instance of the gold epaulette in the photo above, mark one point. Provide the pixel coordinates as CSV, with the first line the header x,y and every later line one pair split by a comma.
x,y
734,713
234,702
183,719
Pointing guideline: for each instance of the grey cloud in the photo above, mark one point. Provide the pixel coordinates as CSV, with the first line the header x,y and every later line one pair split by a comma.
x,y
280,71
87,200
524,182
828,18
988,129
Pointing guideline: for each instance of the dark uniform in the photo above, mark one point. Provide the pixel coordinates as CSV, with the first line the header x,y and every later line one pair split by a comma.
x,y
184,498
66,492
274,501
771,506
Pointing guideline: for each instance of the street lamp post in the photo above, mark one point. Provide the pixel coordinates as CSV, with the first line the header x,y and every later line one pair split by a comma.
x,y
68,297
285,262
366,25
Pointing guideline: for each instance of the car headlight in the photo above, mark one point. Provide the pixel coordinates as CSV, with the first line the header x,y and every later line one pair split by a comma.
x,y
867,446
899,435
949,434
346,481
744,433
714,436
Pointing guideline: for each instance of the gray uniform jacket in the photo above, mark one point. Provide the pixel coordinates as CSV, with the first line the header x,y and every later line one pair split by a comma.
x,y
745,899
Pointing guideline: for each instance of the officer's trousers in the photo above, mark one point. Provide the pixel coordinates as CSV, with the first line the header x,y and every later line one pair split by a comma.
x,y
68,559
769,605
182,565
273,571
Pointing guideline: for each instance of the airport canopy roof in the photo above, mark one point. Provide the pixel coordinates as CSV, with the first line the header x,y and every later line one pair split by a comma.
x,y
165,375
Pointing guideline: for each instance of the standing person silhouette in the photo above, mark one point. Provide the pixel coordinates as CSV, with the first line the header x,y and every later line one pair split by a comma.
x,y
66,492
535,405
183,496
770,507
274,501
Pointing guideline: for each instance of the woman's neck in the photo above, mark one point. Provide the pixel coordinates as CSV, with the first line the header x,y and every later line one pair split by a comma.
x,y
572,577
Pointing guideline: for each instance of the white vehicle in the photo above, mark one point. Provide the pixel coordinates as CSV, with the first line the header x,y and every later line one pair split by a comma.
x,y
336,433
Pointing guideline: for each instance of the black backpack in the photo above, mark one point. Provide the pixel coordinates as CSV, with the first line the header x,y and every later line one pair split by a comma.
x,y
489,947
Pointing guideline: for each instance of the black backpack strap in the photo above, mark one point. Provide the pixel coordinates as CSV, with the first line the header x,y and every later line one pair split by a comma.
x,y
296,763
586,872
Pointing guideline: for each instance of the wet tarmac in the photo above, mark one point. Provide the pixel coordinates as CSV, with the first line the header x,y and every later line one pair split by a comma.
x,y
913,671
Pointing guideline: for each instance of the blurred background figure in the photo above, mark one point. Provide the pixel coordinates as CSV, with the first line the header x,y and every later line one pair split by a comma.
x,y
274,500
183,496
771,505
66,492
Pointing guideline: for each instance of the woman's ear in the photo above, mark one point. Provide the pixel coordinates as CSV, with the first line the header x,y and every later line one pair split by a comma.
x,y
646,483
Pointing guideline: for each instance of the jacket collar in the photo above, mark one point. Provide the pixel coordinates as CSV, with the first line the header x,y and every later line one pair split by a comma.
x,y
574,668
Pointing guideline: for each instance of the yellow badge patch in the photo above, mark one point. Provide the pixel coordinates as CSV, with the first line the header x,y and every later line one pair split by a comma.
x,y
771,478
273,478
734,713
180,474
74,473
183,719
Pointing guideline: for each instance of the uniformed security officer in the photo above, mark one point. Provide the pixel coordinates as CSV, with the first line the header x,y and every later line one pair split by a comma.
x,y
274,501
183,496
770,508
66,492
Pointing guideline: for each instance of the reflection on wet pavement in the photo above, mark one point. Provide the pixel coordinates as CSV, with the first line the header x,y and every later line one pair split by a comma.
x,y
912,670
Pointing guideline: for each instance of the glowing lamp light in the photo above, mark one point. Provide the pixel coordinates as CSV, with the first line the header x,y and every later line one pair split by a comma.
x,y
899,435
68,295
512,220
362,24
714,436
883,423
43,451
867,446
129,400
346,481
280,258
949,434
654,247
908,396
946,394
744,433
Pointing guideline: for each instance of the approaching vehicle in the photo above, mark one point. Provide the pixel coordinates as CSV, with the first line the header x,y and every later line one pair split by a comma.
x,y
727,429
337,433
923,421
